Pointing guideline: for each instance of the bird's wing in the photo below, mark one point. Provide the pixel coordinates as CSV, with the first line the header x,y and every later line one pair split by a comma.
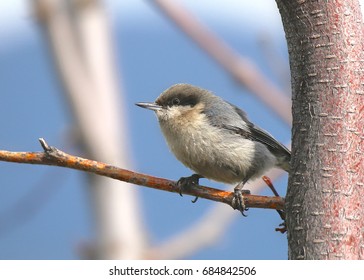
x,y
257,134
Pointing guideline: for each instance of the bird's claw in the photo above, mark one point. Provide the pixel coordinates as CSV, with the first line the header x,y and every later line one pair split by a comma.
x,y
282,229
238,200
186,182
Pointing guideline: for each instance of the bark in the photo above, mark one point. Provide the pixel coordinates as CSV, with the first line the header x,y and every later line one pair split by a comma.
x,y
325,197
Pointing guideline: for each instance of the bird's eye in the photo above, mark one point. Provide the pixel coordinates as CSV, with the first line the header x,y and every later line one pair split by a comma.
x,y
175,101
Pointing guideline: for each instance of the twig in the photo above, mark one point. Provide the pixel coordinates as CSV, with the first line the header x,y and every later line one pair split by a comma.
x,y
281,213
55,157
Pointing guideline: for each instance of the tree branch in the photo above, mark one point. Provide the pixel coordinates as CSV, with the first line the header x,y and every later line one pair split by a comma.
x,y
56,157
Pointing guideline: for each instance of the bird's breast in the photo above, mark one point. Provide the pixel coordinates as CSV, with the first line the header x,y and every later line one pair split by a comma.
x,y
208,150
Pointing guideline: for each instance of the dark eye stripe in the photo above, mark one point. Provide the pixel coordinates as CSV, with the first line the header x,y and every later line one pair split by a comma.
x,y
175,101
191,100
178,99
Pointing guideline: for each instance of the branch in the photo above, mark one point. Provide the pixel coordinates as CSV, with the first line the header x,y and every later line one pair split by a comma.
x,y
206,231
55,157
81,46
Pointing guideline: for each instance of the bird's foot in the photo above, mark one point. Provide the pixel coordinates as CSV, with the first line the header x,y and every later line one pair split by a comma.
x,y
186,182
238,199
282,229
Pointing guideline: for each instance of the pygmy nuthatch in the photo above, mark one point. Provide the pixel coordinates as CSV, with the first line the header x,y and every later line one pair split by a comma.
x,y
215,138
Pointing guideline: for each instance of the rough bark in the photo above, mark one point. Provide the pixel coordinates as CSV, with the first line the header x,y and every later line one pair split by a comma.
x,y
325,197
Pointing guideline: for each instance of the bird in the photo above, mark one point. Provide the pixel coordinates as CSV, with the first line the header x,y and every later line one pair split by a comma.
x,y
215,139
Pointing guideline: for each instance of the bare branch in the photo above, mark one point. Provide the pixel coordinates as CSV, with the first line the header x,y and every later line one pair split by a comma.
x,y
81,46
55,157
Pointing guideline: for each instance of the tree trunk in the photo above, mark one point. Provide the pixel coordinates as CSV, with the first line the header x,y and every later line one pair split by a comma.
x,y
325,197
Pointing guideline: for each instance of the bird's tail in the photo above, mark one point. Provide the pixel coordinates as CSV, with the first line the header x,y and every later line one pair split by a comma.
x,y
284,162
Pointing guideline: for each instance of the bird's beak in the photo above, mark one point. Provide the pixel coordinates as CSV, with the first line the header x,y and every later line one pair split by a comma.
x,y
150,106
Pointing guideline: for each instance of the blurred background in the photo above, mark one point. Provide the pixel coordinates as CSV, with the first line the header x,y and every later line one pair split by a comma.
x,y
71,71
